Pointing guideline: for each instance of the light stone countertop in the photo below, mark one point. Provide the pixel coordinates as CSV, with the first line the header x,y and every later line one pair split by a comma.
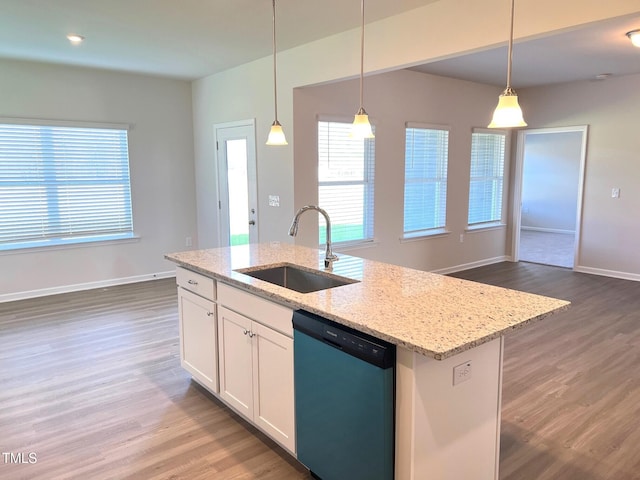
x,y
435,315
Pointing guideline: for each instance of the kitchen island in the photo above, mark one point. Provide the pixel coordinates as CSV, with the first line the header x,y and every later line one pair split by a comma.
x,y
448,332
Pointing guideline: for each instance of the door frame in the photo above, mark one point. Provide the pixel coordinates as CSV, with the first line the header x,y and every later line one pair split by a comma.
x,y
518,179
252,172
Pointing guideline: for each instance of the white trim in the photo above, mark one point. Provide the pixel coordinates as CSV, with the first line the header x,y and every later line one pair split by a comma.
x,y
73,242
468,266
517,191
608,273
548,230
427,126
483,227
424,234
10,297
64,123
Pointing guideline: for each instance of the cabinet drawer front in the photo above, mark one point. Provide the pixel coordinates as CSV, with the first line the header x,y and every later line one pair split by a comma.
x,y
268,313
196,283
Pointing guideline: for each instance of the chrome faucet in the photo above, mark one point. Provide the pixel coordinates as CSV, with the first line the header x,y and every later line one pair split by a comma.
x,y
330,257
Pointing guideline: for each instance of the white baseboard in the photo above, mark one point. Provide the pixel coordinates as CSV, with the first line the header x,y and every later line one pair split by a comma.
x,y
10,297
548,230
468,266
608,273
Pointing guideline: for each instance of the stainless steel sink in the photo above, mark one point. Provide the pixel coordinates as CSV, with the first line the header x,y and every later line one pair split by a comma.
x,y
298,279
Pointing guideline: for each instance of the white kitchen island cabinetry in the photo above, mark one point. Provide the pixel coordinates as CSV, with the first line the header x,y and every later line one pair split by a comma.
x,y
256,362
198,329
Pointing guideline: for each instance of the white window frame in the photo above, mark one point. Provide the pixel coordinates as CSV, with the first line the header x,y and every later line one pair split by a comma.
x,y
441,180
62,230
494,221
368,182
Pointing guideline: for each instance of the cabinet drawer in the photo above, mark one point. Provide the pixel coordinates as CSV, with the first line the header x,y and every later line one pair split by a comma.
x,y
268,313
196,283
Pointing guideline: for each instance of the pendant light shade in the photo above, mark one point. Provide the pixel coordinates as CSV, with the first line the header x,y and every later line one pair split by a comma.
x,y
508,113
276,134
361,127
634,36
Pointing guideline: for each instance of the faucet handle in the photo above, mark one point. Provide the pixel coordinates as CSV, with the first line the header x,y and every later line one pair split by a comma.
x,y
328,261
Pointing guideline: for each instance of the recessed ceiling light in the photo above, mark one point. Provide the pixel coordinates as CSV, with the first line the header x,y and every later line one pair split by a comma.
x,y
634,36
75,38
602,76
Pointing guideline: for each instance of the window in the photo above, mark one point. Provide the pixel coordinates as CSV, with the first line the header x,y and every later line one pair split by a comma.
x,y
61,184
425,180
487,177
345,183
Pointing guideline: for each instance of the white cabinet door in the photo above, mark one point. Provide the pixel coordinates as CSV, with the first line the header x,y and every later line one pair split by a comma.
x,y
198,342
273,396
236,364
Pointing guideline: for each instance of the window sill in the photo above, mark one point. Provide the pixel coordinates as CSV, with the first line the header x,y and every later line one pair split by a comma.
x,y
485,226
64,244
423,235
346,246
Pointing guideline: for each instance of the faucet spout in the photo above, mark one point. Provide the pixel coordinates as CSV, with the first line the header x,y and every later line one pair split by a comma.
x,y
330,257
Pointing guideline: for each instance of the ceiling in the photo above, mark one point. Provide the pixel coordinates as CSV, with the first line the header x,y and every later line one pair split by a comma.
x,y
190,39
578,54
186,39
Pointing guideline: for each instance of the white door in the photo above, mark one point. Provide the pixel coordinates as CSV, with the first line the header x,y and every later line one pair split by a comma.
x,y
273,396
198,346
237,183
236,364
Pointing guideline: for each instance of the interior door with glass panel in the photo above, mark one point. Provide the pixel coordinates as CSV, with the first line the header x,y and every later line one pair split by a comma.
x,y
237,183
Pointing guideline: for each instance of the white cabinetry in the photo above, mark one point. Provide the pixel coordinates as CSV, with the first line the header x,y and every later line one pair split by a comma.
x,y
256,361
198,329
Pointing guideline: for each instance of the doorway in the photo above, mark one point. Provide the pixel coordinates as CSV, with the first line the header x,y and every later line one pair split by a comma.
x,y
549,183
237,183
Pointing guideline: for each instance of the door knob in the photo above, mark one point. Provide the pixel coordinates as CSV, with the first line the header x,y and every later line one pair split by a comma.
x,y
252,222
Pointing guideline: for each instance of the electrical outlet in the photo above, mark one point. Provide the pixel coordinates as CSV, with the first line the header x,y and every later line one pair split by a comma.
x,y
462,238
462,373
188,242
615,193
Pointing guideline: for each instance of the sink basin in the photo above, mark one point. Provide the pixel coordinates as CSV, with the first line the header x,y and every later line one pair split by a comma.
x,y
298,279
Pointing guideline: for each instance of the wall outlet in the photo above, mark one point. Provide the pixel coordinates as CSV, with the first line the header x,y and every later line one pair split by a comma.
x,y
462,238
615,193
188,242
462,373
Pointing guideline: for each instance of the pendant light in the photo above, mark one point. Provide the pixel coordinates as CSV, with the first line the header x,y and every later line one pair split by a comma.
x,y
361,127
276,135
508,113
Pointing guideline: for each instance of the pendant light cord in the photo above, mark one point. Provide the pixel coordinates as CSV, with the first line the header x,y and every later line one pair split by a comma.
x,y
275,87
510,53
361,55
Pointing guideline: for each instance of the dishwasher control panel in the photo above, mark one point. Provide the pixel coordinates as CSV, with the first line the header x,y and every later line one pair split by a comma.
x,y
361,345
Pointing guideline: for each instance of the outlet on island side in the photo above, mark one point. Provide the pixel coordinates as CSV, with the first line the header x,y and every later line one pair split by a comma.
x,y
462,373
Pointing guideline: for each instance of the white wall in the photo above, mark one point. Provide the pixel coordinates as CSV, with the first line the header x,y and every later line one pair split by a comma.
x,y
437,30
161,164
610,231
550,180
392,99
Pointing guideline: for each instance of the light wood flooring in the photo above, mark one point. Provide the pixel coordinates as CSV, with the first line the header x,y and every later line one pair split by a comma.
x,y
571,391
91,383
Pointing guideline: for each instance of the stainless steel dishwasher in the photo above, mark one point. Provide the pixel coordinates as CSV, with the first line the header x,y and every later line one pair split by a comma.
x,y
344,393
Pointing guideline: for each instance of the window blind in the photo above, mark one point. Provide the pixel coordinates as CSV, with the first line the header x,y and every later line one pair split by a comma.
x,y
345,183
487,177
60,183
425,179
